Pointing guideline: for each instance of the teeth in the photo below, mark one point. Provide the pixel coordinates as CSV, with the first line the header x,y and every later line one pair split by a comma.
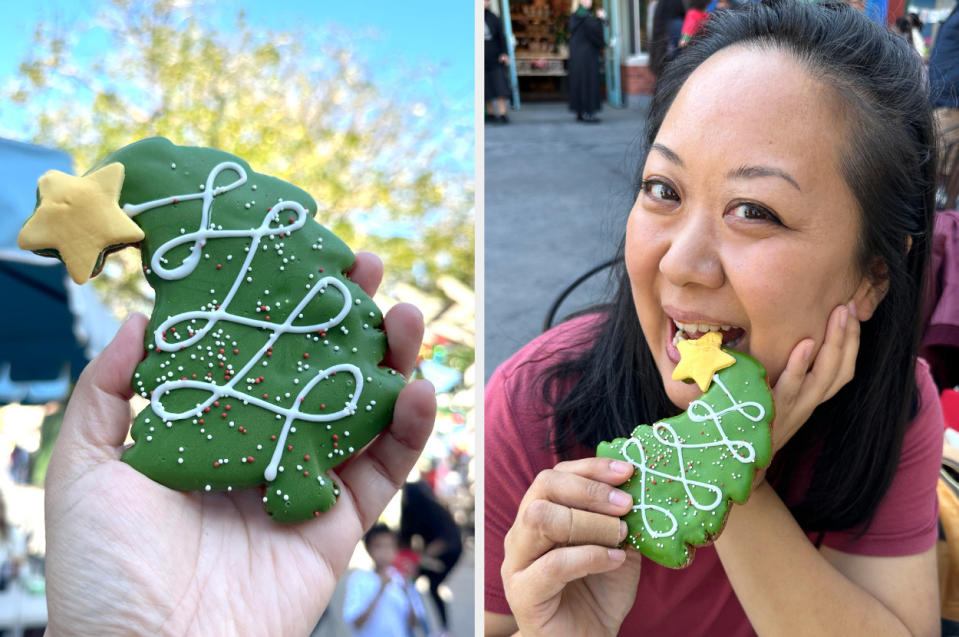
x,y
701,327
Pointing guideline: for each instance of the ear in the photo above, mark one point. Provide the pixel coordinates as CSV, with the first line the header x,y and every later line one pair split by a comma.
x,y
872,289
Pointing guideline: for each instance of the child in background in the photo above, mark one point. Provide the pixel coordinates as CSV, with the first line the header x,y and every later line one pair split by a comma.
x,y
695,17
381,602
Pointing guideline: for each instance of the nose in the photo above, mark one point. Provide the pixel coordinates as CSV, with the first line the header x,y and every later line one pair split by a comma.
x,y
691,257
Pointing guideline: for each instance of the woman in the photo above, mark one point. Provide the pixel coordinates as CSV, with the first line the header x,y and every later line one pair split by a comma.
x,y
667,28
803,229
585,46
495,61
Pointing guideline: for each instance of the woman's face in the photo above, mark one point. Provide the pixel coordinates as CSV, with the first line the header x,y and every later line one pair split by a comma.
x,y
744,223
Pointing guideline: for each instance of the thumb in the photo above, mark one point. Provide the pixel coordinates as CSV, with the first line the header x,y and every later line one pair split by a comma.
x,y
98,415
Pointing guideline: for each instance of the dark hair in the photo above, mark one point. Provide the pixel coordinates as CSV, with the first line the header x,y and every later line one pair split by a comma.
x,y
377,529
888,162
699,5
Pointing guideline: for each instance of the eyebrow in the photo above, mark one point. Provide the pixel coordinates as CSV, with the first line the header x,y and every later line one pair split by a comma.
x,y
752,172
668,154
743,172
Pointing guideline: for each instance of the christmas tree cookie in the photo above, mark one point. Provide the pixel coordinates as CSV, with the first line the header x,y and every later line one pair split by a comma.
x,y
262,363
689,467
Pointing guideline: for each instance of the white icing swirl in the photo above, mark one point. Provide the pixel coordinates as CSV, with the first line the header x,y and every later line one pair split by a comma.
x,y
199,239
671,439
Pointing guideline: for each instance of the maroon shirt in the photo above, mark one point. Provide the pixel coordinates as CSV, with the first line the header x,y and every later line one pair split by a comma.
x,y
698,599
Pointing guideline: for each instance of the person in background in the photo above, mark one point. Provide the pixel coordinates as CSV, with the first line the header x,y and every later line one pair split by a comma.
x,y
667,29
13,548
585,46
693,22
944,83
495,61
381,602
423,515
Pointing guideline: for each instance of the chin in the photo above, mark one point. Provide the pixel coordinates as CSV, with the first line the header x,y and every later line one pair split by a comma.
x,y
680,394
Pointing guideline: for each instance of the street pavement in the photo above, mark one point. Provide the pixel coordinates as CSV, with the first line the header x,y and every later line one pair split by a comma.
x,y
557,195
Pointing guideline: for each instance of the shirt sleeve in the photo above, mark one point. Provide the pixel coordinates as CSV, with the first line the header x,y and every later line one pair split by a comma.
x,y
508,472
361,588
906,522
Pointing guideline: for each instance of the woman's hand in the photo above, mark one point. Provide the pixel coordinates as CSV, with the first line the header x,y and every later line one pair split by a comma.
x,y
557,589
800,389
127,555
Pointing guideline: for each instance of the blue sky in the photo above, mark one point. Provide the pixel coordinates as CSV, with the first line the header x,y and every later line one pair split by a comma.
x,y
393,37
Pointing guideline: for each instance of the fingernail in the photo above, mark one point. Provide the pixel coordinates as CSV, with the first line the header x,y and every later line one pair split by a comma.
x,y
620,498
843,316
616,555
852,310
806,354
623,530
619,466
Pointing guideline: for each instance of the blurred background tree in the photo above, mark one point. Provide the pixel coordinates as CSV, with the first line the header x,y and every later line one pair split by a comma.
x,y
297,105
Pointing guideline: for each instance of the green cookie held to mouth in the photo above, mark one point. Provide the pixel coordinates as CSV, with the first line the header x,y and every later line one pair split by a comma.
x,y
687,468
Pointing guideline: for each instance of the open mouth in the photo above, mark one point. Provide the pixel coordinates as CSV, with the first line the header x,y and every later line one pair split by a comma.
x,y
679,331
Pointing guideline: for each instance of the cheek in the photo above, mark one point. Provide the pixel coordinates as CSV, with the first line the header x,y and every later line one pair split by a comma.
x,y
787,297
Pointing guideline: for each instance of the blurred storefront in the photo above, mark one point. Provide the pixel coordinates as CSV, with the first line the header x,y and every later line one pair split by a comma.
x,y
538,34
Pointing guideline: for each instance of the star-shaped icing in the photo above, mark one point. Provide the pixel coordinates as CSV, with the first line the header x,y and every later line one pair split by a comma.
x,y
701,358
78,219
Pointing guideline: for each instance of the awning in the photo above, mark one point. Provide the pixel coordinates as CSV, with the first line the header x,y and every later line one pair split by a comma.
x,y
50,328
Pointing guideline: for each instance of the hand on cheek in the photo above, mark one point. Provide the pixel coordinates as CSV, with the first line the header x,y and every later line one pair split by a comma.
x,y
806,383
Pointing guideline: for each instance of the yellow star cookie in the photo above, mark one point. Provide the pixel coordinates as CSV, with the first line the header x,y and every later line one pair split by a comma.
x,y
78,219
702,358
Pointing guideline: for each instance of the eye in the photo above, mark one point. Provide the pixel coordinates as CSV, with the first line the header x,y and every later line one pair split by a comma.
x,y
754,212
659,190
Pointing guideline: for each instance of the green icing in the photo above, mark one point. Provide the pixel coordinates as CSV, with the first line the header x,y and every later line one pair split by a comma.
x,y
705,456
228,443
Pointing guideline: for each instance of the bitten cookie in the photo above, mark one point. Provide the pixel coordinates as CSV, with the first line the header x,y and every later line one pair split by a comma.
x,y
262,361
688,467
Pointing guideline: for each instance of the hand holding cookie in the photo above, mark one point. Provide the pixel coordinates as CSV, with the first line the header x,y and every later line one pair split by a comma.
x,y
562,572
124,551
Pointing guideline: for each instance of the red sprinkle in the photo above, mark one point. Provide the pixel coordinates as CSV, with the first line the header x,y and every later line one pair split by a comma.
x,y
249,458
306,457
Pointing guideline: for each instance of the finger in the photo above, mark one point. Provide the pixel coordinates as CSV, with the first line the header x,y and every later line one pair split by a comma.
x,y
97,417
593,528
374,476
848,355
605,470
827,360
544,525
367,272
578,492
548,576
788,386
404,335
